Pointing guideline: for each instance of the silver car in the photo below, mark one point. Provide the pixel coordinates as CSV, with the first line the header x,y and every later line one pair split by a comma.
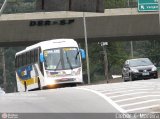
x,y
140,68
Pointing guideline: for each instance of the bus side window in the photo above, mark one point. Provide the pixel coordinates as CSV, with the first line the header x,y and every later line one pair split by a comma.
x,y
36,55
32,56
20,60
16,62
24,59
27,58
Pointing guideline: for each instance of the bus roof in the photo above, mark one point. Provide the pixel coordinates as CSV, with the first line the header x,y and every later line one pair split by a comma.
x,y
54,43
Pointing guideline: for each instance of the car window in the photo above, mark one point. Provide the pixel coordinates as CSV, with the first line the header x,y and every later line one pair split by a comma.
x,y
140,62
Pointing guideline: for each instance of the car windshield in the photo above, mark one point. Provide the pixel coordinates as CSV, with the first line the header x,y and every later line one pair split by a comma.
x,y
61,58
140,62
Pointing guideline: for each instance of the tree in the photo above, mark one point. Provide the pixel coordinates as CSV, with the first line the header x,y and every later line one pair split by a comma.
x,y
10,67
151,50
116,56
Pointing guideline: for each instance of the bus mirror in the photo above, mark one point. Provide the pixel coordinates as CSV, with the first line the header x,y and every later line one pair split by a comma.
x,y
42,57
83,54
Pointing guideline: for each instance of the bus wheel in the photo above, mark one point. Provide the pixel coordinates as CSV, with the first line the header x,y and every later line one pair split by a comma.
x,y
39,85
25,86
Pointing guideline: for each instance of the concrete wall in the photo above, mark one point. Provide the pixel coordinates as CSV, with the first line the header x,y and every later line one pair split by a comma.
x,y
118,24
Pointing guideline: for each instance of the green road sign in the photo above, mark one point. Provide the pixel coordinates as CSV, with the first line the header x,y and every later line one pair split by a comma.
x,y
148,5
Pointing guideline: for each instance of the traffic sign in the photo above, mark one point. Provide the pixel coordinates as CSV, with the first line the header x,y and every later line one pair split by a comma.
x,y
148,5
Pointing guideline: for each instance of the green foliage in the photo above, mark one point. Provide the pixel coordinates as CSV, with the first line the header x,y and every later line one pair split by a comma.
x,y
10,67
116,56
19,6
116,3
150,49
96,59
23,6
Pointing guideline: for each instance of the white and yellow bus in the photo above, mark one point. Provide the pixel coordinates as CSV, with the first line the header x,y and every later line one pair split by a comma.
x,y
49,63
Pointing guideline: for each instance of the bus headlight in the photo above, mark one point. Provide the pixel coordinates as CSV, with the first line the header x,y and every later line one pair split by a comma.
x,y
50,82
78,71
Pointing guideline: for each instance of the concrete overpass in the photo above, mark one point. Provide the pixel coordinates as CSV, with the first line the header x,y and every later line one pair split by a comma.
x,y
114,24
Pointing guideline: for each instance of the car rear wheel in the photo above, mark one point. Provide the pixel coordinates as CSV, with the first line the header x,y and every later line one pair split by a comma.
x,y
156,75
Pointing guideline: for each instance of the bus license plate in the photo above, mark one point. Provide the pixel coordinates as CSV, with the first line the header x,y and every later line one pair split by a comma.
x,y
145,73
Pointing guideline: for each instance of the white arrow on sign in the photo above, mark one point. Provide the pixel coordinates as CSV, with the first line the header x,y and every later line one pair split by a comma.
x,y
142,7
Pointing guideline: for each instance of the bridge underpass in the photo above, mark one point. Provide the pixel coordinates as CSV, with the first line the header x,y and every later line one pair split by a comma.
x,y
114,24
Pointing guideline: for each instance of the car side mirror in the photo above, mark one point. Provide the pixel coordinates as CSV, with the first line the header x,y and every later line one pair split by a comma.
x,y
126,66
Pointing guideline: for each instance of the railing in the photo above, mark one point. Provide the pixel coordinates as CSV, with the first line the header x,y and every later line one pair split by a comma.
x,y
111,4
26,6
19,6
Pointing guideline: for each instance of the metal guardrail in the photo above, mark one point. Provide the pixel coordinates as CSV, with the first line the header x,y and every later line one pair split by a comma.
x,y
19,6
111,4
27,6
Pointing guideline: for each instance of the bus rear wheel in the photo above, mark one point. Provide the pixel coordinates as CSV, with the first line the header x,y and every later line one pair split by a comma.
x,y
39,85
25,86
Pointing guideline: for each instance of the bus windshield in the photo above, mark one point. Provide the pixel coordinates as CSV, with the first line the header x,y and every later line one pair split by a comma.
x,y
62,58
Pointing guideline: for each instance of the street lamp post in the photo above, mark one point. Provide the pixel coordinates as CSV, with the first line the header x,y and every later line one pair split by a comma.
x,y
131,49
86,45
103,44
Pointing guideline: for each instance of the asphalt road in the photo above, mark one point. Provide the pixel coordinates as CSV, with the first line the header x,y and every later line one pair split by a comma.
x,y
142,96
62,100
90,102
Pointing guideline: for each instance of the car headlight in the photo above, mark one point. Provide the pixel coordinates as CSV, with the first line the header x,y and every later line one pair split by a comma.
x,y
134,70
154,69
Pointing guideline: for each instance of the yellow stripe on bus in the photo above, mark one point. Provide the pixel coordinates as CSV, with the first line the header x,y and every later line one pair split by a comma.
x,y
29,81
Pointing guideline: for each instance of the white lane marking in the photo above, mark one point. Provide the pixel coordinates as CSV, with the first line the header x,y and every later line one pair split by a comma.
x,y
133,94
135,83
137,103
117,89
106,98
109,88
127,94
127,99
141,108
128,90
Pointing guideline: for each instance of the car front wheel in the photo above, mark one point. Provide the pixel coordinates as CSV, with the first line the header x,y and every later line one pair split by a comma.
x,y
124,79
130,77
